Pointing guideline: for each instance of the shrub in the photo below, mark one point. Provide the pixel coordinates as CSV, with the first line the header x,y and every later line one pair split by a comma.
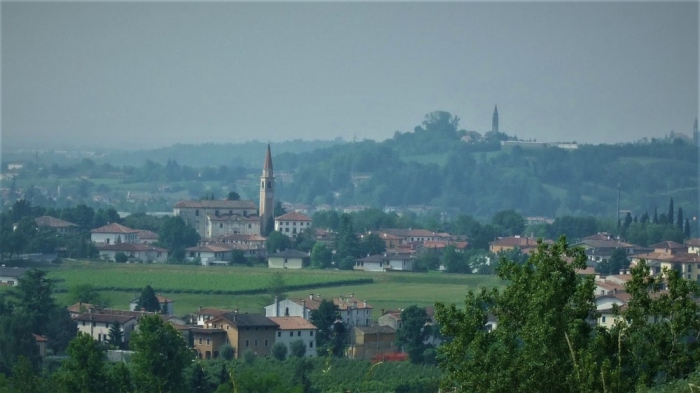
x,y
227,351
279,351
120,257
249,357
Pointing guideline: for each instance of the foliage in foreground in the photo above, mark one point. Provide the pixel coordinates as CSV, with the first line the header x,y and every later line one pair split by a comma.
x,y
544,341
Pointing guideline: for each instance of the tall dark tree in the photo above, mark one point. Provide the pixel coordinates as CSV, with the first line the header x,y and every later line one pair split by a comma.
x,y
161,356
277,242
176,235
669,216
372,244
325,318
511,222
347,244
679,218
655,220
148,301
233,196
413,332
116,336
686,229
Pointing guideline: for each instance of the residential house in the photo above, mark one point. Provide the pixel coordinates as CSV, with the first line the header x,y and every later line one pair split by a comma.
x,y
166,305
195,213
292,224
146,237
293,307
296,328
56,224
41,342
606,305
246,332
693,246
10,276
205,314
208,342
134,251
210,253
113,234
524,244
288,259
385,262
368,342
353,312
97,325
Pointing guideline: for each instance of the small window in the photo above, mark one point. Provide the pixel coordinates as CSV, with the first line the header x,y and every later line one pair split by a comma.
x,y
311,333
299,333
291,334
214,326
256,342
311,344
603,319
279,334
247,344
267,342
208,342
196,212
226,327
200,341
221,225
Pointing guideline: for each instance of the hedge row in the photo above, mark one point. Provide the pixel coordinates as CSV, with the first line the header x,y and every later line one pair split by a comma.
x,y
256,291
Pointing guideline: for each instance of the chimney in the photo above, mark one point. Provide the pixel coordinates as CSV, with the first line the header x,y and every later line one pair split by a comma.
x,y
200,308
277,307
303,309
382,312
235,315
311,296
364,303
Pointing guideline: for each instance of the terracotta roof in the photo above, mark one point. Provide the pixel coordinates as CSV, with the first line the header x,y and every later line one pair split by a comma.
x,y
515,241
147,235
293,216
609,286
684,258
350,302
163,299
40,339
79,308
212,311
420,233
599,236
596,243
211,248
668,244
217,204
435,244
113,228
389,236
588,271
232,217
293,323
136,247
693,242
289,254
53,222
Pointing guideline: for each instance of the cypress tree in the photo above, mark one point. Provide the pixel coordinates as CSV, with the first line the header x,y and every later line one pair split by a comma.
x,y
656,217
679,219
669,217
686,230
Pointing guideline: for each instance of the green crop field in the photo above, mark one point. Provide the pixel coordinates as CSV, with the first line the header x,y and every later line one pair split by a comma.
x,y
386,290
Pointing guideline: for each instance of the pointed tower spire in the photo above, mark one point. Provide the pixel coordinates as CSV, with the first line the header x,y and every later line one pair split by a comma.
x,y
267,191
494,122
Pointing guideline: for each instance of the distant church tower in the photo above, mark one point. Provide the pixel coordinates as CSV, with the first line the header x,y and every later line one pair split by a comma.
x,y
267,203
494,122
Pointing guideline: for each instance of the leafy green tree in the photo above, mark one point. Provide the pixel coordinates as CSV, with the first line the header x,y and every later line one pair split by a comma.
x,y
428,260
347,244
372,244
276,287
618,260
276,242
116,336
199,383
84,293
321,256
238,257
84,371
279,351
413,332
297,349
542,342
148,301
512,222
233,196
455,262
25,379
175,235
249,357
324,318
227,351
119,378
16,341
161,355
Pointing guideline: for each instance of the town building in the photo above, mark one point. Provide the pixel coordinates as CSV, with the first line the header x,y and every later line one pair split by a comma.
x,y
133,251
222,216
10,276
246,332
113,234
296,328
292,224
288,259
56,224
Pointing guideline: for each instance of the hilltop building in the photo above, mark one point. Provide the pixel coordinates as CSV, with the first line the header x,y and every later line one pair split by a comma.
x,y
494,121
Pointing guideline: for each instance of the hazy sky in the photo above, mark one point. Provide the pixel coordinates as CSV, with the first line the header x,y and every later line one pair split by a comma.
x,y
135,74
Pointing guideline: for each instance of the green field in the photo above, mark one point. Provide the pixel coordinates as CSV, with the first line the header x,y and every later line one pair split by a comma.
x,y
388,290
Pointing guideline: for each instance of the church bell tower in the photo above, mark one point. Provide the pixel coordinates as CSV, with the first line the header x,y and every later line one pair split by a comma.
x,y
267,204
494,122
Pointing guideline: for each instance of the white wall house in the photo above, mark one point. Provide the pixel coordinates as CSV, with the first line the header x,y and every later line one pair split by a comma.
x,y
293,307
195,213
296,328
288,259
167,305
210,253
292,224
10,275
98,325
138,251
113,234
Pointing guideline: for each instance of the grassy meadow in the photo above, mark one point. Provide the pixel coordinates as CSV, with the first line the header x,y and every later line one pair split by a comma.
x,y
386,291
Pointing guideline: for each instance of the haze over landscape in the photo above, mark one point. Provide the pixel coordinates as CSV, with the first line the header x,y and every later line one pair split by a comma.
x,y
139,75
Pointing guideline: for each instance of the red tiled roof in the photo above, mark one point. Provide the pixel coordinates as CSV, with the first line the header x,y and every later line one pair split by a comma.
x,y
668,244
135,247
293,323
693,242
113,228
40,339
211,248
293,216
147,235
